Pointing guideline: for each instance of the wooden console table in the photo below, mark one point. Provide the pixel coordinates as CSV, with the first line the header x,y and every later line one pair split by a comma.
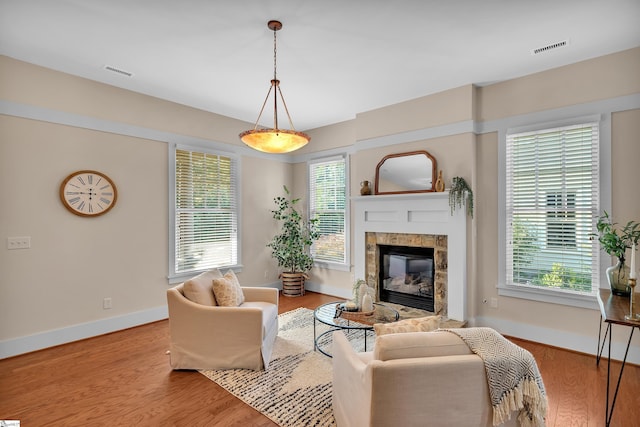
x,y
613,308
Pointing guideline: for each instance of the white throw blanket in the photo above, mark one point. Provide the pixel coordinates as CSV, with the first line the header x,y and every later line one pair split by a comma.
x,y
515,383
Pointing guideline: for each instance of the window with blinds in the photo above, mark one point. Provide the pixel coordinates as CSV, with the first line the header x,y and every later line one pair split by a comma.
x,y
205,211
552,202
327,203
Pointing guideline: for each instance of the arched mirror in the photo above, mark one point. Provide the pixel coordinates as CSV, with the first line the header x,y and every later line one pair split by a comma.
x,y
413,172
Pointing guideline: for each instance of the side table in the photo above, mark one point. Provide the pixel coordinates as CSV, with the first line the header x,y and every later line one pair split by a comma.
x,y
613,308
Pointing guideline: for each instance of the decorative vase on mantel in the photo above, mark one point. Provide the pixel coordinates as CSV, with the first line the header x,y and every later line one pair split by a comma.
x,y
618,277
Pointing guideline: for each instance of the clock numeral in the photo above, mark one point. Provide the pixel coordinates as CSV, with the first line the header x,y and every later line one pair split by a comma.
x,y
90,179
81,206
105,201
81,180
105,193
90,208
74,200
71,193
99,180
105,186
73,185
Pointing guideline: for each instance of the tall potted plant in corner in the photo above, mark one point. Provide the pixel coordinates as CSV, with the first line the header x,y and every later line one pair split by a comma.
x,y
615,243
291,247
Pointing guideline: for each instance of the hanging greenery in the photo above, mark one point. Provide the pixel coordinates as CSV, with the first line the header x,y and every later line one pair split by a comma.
x,y
460,194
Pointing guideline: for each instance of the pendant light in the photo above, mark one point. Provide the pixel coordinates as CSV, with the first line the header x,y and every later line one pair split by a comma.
x,y
274,140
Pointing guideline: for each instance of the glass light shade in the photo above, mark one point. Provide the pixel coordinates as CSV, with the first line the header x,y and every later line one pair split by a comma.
x,y
274,140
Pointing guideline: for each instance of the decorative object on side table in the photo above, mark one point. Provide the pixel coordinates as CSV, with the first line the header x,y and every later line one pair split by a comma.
x,y
615,243
632,284
291,247
460,194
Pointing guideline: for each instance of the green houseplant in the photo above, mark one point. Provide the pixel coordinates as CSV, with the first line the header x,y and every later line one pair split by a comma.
x,y
291,247
615,242
460,194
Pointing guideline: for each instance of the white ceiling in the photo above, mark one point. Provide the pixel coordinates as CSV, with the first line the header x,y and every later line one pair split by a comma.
x,y
336,58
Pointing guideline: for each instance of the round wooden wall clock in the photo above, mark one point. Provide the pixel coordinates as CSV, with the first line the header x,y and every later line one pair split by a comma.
x,y
88,193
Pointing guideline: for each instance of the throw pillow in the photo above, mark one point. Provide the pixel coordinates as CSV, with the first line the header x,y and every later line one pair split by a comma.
x,y
198,289
227,290
419,324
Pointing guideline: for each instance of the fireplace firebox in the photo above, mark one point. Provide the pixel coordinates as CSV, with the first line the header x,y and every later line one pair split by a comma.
x,y
407,276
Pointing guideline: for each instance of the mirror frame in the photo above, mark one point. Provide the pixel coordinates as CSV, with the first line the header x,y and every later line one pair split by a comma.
x,y
434,170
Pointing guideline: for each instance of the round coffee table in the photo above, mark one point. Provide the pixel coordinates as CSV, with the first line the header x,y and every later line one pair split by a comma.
x,y
330,314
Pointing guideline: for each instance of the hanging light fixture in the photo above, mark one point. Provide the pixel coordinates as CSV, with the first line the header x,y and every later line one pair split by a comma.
x,y
274,140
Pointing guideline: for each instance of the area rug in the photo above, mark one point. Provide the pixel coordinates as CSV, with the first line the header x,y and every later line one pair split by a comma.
x,y
295,390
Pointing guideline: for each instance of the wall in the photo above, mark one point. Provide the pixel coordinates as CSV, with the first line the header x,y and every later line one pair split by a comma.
x,y
608,86
53,124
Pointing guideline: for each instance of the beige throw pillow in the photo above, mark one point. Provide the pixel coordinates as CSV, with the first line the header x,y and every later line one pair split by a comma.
x,y
419,324
227,290
198,289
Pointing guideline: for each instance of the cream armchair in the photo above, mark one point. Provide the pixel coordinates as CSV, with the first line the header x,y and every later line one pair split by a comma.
x,y
215,337
410,379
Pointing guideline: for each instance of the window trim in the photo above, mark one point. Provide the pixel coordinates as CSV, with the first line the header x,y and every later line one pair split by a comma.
x,y
330,265
174,277
536,293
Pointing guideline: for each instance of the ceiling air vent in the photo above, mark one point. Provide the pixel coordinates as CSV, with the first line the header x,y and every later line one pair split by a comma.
x,y
549,47
117,70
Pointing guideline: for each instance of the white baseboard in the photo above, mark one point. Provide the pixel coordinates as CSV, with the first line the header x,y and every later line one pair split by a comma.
x,y
27,344
328,290
562,339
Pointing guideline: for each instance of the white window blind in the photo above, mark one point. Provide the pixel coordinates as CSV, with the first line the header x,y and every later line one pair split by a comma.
x,y
205,211
327,203
552,203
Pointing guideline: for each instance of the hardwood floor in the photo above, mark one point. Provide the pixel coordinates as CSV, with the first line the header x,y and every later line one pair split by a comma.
x,y
124,379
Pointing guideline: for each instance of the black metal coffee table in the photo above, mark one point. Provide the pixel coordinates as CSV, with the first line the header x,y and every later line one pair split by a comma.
x,y
337,320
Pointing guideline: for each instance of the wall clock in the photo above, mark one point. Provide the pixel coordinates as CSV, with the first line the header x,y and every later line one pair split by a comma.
x,y
88,193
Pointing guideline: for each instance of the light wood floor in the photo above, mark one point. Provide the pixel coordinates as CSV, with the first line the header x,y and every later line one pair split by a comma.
x,y
124,379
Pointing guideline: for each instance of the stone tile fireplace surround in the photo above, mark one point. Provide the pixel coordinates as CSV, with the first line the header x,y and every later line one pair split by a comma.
x,y
420,219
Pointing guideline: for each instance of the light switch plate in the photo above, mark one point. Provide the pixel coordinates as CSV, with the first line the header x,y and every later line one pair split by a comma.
x,y
18,242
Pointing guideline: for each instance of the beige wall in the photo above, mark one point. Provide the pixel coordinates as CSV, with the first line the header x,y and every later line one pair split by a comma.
x,y
42,289
55,289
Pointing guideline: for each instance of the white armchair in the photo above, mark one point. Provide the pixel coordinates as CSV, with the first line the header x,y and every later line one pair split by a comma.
x,y
411,379
215,337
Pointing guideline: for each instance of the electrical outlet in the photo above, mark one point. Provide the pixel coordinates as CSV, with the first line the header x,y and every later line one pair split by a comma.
x,y
106,303
494,302
18,242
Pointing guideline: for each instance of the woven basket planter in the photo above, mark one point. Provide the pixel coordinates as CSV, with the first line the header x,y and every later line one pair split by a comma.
x,y
293,284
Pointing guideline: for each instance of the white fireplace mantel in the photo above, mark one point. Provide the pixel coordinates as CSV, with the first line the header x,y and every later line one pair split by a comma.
x,y
418,213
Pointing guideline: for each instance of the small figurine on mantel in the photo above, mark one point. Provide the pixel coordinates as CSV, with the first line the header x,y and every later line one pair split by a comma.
x,y
440,183
365,189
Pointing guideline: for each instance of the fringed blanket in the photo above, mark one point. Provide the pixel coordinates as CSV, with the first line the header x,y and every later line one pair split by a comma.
x,y
515,383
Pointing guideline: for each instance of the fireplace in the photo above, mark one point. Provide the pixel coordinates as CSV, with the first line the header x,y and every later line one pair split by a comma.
x,y
424,259
406,276
414,221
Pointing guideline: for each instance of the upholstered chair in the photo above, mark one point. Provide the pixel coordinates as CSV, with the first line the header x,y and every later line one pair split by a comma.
x,y
215,323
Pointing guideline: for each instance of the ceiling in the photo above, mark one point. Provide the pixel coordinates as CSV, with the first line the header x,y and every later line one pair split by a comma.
x,y
336,58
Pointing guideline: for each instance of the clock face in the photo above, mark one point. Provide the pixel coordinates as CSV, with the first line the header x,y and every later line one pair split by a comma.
x,y
88,193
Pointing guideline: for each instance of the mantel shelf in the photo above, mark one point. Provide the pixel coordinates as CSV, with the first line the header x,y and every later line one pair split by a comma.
x,y
404,196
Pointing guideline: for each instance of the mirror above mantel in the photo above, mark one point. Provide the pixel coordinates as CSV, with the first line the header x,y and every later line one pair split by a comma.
x,y
412,172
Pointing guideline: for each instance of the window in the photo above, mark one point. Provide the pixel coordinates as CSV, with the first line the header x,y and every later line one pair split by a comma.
x,y
561,224
327,203
552,203
205,213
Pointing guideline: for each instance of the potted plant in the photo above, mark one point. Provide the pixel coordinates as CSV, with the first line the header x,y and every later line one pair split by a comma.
x,y
460,193
291,247
615,242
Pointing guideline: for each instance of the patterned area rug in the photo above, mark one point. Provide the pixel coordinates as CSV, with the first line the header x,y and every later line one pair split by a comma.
x,y
295,390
